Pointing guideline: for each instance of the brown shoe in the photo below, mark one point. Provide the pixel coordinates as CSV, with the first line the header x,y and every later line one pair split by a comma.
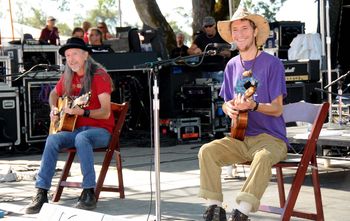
x,y
215,213
238,216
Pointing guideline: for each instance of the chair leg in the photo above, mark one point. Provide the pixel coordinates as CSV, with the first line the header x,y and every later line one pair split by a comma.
x,y
317,189
120,174
63,177
280,184
103,172
294,191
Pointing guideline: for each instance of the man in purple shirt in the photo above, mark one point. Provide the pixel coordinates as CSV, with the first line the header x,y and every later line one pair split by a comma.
x,y
49,34
264,142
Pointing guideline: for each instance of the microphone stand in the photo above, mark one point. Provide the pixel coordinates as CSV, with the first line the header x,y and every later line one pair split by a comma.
x,y
340,110
153,68
339,81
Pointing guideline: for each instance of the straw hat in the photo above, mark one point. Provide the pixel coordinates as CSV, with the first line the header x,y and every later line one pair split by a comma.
x,y
224,27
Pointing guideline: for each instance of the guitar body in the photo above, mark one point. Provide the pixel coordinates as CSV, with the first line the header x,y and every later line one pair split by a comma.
x,y
66,122
238,127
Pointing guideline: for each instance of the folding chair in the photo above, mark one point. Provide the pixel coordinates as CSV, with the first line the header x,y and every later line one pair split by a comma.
x,y
316,115
119,111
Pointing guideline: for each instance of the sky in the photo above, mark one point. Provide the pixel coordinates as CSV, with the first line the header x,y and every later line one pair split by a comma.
x,y
292,10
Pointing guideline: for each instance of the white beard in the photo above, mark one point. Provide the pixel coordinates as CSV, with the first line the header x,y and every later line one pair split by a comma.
x,y
75,68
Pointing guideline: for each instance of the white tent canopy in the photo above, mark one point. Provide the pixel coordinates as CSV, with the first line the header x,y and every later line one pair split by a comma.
x,y
19,30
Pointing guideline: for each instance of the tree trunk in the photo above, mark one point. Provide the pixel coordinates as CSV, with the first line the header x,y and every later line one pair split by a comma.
x,y
218,9
151,15
200,9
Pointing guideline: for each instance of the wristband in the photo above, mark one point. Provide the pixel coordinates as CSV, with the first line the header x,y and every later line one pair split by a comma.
x,y
86,113
256,106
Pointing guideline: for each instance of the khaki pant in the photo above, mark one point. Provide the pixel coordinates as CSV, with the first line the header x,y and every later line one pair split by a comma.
x,y
263,150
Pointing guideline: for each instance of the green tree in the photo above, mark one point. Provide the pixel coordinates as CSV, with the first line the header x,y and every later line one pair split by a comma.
x,y
267,9
38,20
106,10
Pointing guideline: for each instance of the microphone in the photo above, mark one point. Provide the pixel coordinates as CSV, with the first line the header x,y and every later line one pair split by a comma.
x,y
222,46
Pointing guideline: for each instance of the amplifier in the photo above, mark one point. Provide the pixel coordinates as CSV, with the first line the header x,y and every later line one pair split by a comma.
x,y
9,116
36,104
199,96
303,91
297,70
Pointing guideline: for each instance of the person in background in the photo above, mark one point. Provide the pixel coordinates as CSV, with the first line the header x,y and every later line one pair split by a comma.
x,y
50,34
104,29
86,26
265,142
93,128
213,65
95,37
96,43
78,32
181,49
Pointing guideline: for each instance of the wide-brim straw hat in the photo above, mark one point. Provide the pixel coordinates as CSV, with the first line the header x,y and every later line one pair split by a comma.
x,y
224,27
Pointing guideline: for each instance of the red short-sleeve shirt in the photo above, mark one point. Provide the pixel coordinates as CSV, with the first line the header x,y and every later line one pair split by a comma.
x,y
101,83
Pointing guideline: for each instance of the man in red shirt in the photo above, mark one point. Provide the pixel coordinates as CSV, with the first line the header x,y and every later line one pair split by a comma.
x,y
49,34
93,127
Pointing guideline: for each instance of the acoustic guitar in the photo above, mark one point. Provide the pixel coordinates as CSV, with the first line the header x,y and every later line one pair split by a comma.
x,y
239,125
66,122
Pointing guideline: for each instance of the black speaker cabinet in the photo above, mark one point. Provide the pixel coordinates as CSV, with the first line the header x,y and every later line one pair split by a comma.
x,y
285,31
37,88
301,91
343,44
9,116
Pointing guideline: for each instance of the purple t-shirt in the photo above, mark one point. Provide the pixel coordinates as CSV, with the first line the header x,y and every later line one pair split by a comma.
x,y
268,72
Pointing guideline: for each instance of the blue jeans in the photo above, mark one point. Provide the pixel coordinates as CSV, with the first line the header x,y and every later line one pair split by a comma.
x,y
84,139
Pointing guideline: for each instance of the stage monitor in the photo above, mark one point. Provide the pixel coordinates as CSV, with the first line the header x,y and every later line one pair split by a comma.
x,y
122,32
118,45
40,54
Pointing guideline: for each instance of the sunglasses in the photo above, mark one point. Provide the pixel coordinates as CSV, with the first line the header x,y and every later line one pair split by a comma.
x,y
208,26
100,27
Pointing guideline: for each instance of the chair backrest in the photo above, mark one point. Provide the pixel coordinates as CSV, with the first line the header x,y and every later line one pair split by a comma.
x,y
315,114
119,111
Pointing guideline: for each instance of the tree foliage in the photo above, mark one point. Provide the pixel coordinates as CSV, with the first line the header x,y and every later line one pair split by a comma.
x,y
267,9
106,11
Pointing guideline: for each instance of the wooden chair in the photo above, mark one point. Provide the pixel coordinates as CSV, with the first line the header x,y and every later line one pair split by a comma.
x,y
316,115
119,111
